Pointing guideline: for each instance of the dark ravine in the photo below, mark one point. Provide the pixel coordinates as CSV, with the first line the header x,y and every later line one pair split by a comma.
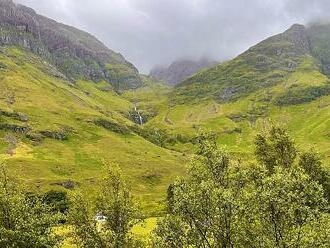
x,y
75,53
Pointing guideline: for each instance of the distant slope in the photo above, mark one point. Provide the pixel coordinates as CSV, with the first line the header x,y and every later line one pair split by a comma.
x,y
319,38
179,70
77,54
262,66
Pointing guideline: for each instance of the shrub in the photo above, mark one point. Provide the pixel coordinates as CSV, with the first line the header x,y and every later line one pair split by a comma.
x,y
112,126
296,96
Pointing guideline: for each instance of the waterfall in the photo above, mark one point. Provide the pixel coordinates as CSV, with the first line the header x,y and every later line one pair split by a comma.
x,y
139,115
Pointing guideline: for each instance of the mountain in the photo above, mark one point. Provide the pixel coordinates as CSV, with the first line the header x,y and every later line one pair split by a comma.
x,y
283,79
75,53
62,118
179,70
260,67
69,106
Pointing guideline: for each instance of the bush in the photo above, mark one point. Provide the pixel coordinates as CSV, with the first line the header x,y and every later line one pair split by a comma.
x,y
112,126
57,200
24,220
296,96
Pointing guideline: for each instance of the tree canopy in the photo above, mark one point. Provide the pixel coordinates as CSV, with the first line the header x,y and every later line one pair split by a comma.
x,y
280,201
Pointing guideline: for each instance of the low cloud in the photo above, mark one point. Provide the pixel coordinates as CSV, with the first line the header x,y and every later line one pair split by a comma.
x,y
151,32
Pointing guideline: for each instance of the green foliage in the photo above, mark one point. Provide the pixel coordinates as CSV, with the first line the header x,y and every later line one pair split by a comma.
x,y
117,205
311,163
275,149
226,204
57,200
205,205
112,126
86,230
154,135
159,137
296,95
24,221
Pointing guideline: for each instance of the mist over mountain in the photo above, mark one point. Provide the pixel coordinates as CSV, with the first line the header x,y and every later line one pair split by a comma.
x,y
180,70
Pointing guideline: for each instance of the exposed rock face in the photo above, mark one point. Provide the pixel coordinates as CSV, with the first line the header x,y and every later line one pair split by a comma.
x,y
319,36
179,70
280,51
75,53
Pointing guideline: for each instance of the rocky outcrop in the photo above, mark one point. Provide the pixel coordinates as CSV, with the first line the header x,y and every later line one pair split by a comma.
x,y
281,51
319,36
75,53
179,70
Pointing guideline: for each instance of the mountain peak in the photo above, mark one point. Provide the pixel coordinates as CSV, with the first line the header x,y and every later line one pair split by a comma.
x,y
75,53
180,70
263,65
299,37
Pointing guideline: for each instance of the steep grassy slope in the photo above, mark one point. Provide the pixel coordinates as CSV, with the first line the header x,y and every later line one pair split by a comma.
x,y
58,134
279,80
262,66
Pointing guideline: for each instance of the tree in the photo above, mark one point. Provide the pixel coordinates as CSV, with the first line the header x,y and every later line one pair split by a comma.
x,y
86,229
116,203
57,200
204,206
284,205
311,162
24,221
275,148
278,202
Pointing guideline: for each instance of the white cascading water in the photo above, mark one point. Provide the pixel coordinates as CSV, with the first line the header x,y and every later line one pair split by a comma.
x,y
138,112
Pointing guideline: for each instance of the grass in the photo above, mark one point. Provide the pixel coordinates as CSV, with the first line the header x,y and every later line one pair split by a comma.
x,y
144,230
53,104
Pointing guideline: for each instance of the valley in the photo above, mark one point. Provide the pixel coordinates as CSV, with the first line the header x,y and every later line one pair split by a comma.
x,y
69,106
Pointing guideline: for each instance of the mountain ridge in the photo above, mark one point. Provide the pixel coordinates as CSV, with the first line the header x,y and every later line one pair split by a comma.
x,y
262,65
77,54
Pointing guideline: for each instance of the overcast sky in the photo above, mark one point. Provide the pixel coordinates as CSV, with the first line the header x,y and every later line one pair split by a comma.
x,y
155,32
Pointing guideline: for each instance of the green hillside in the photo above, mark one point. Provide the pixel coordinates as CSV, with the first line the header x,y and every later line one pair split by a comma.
x,y
64,115
58,134
279,80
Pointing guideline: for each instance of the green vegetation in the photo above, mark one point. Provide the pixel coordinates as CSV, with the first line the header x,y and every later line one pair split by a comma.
x,y
53,131
261,67
57,132
319,38
116,204
225,203
24,220
298,96
281,199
